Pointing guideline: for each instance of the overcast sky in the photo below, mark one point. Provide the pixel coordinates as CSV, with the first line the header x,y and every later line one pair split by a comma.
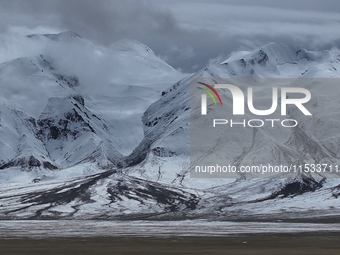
x,y
186,33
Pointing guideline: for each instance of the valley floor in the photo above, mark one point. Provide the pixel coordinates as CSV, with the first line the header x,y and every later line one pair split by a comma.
x,y
55,229
40,237
301,243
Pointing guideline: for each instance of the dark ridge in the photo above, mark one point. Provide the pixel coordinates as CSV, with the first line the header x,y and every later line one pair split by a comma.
x,y
297,187
139,190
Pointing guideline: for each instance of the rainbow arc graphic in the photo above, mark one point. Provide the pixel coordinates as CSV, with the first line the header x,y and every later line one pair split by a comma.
x,y
210,89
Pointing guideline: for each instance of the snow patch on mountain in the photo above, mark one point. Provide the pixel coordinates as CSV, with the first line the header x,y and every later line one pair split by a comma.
x,y
104,132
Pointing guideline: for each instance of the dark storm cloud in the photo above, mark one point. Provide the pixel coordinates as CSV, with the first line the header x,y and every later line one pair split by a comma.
x,y
102,20
185,33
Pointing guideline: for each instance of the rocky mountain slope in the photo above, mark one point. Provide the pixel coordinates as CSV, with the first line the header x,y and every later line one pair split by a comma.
x,y
90,132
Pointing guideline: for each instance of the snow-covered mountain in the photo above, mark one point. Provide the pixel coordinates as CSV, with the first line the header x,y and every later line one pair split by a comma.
x,y
63,104
90,132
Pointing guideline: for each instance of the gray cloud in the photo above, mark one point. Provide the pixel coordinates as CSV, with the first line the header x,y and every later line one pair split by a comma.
x,y
185,33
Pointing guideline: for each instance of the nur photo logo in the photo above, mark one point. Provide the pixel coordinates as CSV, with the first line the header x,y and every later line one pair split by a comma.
x,y
239,99
248,126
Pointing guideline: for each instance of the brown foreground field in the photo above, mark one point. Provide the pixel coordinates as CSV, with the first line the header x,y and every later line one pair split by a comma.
x,y
309,243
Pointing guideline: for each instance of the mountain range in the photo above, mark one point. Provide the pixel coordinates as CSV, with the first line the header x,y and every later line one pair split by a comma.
x,y
96,132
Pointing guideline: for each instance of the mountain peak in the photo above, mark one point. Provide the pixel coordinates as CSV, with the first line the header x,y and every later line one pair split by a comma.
x,y
131,45
274,46
274,59
276,52
65,35
69,33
